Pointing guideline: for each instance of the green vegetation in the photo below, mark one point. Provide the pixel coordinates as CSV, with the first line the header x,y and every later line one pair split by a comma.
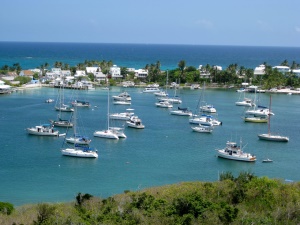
x,y
246,199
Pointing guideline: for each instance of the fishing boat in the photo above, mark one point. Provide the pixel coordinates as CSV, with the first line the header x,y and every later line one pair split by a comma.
x,y
43,130
272,137
124,96
135,122
234,152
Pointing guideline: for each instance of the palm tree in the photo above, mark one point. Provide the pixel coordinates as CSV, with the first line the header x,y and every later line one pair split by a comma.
x,y
181,66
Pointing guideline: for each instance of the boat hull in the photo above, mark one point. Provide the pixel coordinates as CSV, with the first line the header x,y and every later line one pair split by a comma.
x,y
35,132
276,138
106,134
236,158
79,153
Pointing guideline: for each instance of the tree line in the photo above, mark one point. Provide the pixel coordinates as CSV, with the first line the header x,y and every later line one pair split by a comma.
x,y
232,75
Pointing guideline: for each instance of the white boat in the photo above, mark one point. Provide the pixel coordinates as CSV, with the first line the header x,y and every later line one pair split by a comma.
x,y
60,105
80,151
122,102
151,89
208,108
79,103
135,122
255,119
181,112
122,116
174,100
49,100
106,133
124,96
64,108
43,130
203,129
77,137
161,94
164,104
245,102
269,136
267,160
205,120
234,152
118,131
259,111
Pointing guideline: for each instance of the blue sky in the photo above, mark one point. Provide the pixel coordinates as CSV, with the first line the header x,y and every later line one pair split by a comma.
x,y
196,22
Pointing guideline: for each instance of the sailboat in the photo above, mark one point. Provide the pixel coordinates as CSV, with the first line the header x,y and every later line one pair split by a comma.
x,y
77,138
269,136
110,133
243,101
61,122
80,145
203,119
61,106
163,102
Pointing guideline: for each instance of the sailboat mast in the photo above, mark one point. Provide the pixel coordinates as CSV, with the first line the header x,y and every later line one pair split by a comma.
x,y
107,106
269,116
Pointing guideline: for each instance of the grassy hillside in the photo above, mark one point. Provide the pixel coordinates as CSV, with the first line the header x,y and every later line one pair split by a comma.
x,y
246,199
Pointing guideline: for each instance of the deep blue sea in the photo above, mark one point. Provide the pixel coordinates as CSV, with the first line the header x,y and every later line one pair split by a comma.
x,y
167,151
32,55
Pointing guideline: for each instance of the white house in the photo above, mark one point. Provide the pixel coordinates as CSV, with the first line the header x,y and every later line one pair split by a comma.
x,y
80,73
115,72
93,70
296,72
260,70
282,69
141,73
99,76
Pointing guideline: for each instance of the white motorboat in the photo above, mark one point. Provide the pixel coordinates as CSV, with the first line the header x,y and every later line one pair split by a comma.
x,y
208,108
205,120
269,136
174,100
121,116
181,112
124,96
43,130
259,111
151,89
245,102
49,100
203,129
234,152
79,103
164,104
80,151
161,94
135,122
267,160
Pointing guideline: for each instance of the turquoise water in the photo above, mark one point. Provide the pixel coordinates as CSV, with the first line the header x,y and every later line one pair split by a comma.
x,y
33,170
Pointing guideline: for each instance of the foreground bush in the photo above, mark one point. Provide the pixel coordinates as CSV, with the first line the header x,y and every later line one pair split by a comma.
x,y
245,199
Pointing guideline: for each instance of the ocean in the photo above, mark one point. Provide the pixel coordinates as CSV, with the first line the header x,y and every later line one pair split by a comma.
x,y
32,55
167,151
